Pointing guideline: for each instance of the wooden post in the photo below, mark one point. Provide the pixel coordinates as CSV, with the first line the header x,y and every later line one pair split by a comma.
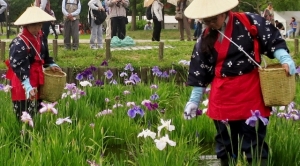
x,y
161,51
2,53
296,42
107,49
55,49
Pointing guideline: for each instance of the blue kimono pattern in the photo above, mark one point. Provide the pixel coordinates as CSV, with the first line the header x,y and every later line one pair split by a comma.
x,y
202,66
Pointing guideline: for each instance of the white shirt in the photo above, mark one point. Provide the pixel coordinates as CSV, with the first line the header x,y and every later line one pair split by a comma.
x,y
43,4
3,6
92,5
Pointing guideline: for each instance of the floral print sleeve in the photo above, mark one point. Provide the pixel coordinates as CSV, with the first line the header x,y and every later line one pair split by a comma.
x,y
269,36
201,70
19,59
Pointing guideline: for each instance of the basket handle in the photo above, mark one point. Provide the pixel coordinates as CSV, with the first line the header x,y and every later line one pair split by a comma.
x,y
241,49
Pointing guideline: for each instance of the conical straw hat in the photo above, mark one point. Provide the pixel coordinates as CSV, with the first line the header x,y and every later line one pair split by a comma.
x,y
148,3
209,8
32,15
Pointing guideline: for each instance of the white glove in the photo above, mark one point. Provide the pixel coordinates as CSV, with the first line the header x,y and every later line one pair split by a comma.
x,y
190,110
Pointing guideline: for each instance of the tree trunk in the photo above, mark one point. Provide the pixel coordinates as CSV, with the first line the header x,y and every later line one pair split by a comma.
x,y
133,15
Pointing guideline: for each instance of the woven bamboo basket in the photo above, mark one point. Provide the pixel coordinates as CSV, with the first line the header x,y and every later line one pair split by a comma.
x,y
277,88
54,83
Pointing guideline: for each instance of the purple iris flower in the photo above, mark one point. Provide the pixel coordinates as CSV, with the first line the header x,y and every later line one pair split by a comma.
x,y
154,96
129,67
99,83
172,71
251,121
156,71
79,77
134,77
108,74
91,77
70,87
151,106
104,63
87,72
153,86
135,110
165,74
298,69
199,112
1,86
93,68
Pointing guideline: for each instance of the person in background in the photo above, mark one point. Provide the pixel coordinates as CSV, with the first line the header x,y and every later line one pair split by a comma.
x,y
293,25
96,32
3,6
107,21
117,17
184,23
28,54
198,29
280,27
148,26
157,16
53,25
235,92
269,13
71,10
45,5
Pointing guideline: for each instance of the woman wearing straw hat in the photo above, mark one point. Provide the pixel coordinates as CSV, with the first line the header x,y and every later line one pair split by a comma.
x,y
219,58
27,56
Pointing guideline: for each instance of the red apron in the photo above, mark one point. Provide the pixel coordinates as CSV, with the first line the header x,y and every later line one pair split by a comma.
x,y
36,79
233,98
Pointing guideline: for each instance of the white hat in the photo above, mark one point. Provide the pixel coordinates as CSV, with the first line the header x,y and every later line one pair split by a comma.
x,y
209,8
32,15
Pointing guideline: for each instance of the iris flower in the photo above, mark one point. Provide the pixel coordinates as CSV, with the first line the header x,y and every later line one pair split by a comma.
x,y
104,63
146,133
153,86
85,83
26,118
162,142
135,110
123,74
129,67
134,77
79,77
165,124
251,121
108,74
156,71
104,112
154,96
59,121
48,107
151,106
7,88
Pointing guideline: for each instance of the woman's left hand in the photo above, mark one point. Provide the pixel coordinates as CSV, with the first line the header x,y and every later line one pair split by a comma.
x,y
286,68
55,68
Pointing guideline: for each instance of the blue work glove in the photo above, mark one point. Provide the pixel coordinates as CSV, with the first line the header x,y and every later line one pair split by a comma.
x,y
53,65
27,87
284,57
191,106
